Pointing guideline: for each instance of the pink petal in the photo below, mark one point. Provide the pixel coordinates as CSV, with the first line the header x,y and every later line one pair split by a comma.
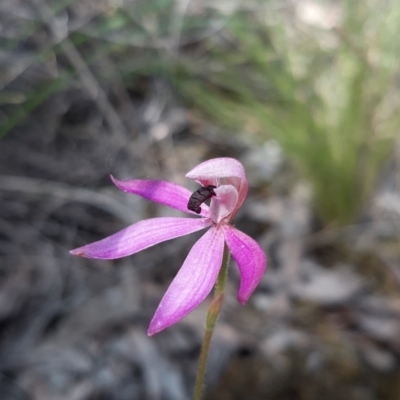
x,y
193,282
216,168
250,259
223,203
231,171
140,236
162,192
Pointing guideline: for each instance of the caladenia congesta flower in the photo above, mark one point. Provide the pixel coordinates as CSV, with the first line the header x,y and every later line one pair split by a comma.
x,y
227,183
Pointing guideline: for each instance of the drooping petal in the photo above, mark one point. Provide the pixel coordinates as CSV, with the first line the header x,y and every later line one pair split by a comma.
x,y
223,203
250,259
162,192
193,282
231,171
140,236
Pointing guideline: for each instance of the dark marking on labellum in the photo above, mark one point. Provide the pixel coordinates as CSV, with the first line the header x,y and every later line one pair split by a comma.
x,y
199,197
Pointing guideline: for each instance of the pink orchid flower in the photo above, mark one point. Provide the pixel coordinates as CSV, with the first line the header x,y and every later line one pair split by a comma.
x,y
199,272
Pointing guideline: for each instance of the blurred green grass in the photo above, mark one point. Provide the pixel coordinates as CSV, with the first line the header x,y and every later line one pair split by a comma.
x,y
328,95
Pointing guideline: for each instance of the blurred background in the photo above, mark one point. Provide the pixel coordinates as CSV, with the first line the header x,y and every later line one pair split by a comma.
x,y
304,93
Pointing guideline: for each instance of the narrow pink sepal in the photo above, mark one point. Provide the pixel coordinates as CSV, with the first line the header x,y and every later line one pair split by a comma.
x,y
162,192
193,282
140,236
250,259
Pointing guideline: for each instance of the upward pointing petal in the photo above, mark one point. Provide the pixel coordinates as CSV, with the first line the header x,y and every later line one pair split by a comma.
x,y
140,236
223,167
250,259
193,282
162,192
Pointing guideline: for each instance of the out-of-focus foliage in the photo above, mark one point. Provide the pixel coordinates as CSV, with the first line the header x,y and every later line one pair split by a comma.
x,y
322,81
86,89
47,46
319,77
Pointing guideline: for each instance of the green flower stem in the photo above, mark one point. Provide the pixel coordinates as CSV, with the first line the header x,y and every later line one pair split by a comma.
x,y
212,316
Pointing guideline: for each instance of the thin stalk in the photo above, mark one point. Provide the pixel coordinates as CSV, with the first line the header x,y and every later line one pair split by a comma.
x,y
212,316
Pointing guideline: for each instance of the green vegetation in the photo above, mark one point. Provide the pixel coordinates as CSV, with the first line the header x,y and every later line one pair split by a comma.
x,y
328,94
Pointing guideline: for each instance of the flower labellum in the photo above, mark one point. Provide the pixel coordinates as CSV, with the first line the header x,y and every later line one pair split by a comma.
x,y
199,197
223,180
